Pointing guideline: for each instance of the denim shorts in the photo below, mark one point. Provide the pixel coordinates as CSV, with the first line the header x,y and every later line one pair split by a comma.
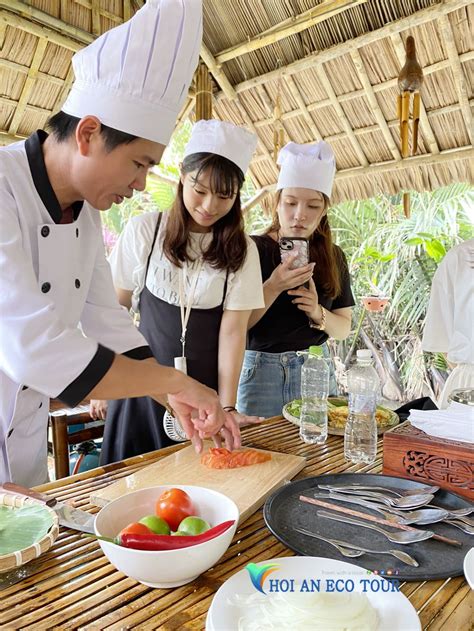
x,y
269,380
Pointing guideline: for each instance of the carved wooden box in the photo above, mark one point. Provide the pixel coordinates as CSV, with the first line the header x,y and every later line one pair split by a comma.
x,y
410,453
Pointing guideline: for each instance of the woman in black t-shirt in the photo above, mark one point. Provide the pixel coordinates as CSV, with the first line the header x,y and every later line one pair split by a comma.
x,y
296,316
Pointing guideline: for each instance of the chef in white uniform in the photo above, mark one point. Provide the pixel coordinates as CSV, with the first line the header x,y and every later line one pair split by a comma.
x,y
62,332
449,325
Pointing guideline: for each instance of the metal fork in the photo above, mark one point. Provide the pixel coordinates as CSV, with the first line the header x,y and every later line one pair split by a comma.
x,y
349,550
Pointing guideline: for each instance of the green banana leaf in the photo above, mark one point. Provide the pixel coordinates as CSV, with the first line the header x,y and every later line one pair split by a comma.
x,y
22,527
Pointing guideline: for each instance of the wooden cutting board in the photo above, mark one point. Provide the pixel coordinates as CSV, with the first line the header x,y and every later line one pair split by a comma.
x,y
247,486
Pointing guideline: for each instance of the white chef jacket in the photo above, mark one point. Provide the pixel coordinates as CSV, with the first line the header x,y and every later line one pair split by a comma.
x,y
60,321
449,325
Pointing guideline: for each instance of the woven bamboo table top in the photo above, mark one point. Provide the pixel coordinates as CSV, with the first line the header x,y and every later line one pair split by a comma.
x,y
74,586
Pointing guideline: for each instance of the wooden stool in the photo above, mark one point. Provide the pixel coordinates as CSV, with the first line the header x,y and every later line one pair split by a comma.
x,y
62,438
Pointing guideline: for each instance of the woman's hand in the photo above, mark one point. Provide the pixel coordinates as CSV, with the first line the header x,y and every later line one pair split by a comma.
x,y
98,409
308,301
243,420
283,277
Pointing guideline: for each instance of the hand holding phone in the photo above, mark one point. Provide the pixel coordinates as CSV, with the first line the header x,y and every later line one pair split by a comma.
x,y
296,248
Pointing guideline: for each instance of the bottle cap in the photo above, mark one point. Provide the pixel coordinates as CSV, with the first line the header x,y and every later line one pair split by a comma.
x,y
364,353
316,350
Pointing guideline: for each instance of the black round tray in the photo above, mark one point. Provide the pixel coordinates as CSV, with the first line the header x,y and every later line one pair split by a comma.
x,y
283,511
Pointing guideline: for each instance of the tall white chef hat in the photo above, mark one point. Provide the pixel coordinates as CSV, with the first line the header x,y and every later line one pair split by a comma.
x,y
135,77
224,139
307,166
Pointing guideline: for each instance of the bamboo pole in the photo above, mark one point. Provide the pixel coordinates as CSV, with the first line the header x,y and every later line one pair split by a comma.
x,y
404,123
416,121
406,205
203,107
291,26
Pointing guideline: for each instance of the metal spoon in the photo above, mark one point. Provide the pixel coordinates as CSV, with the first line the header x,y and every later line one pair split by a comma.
x,y
421,516
404,537
361,487
345,548
404,503
469,530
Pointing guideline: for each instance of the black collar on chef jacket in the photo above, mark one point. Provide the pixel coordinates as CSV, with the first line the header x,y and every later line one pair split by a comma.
x,y
34,153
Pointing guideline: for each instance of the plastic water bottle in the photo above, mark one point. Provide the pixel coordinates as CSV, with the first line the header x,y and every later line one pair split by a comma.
x,y
314,394
360,436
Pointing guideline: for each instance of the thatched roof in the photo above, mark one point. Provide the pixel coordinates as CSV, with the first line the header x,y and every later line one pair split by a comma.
x,y
334,65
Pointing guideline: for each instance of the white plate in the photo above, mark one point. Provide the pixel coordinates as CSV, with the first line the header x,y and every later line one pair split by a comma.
x,y
394,610
469,567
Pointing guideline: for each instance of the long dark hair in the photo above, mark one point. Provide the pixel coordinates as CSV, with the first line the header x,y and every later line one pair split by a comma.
x,y
228,247
322,251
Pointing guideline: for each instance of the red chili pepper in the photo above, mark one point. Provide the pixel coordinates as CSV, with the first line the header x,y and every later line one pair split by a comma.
x,y
170,542
165,542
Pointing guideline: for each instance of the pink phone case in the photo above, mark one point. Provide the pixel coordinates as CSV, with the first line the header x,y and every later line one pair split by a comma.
x,y
289,246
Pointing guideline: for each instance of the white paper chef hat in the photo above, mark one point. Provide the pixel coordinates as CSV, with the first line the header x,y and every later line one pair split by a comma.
x,y
224,139
307,166
135,77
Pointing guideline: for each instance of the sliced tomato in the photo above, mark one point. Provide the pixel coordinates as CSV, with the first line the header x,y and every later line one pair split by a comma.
x,y
173,506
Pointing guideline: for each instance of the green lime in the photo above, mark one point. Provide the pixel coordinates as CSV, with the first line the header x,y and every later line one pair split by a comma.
x,y
179,534
193,526
156,524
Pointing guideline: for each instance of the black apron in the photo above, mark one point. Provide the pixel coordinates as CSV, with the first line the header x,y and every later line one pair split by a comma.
x,y
135,426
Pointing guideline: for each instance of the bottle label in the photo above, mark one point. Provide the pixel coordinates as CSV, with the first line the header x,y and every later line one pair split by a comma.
x,y
362,404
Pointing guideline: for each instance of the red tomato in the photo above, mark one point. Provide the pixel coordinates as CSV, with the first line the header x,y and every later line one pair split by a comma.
x,y
136,529
173,506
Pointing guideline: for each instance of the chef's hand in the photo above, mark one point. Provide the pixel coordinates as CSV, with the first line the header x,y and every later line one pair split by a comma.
x,y
198,409
284,278
229,433
307,300
98,409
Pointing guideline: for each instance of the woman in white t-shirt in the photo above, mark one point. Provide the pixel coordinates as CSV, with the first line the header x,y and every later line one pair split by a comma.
x,y
194,277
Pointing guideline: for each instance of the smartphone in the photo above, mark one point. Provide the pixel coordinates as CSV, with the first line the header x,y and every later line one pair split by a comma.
x,y
289,246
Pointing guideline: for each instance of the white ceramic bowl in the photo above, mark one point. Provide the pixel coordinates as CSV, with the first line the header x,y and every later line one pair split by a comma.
x,y
167,568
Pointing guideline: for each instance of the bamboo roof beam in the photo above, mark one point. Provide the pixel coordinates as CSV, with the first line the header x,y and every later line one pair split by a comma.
x,y
425,123
316,59
185,112
375,107
218,73
41,31
257,198
33,108
28,86
449,155
459,79
15,67
303,109
342,116
291,26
